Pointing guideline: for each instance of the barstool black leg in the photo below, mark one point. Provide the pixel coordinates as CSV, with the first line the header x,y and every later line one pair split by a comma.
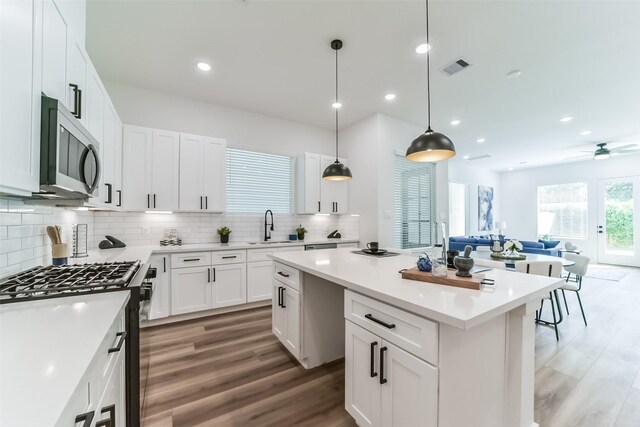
x,y
581,309
564,297
555,321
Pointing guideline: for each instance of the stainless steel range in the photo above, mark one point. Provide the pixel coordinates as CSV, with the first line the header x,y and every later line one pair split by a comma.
x,y
70,280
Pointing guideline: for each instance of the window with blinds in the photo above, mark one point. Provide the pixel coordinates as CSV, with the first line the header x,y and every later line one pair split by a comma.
x,y
415,198
257,182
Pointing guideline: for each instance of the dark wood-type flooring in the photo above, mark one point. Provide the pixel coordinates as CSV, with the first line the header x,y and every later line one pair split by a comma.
x,y
229,370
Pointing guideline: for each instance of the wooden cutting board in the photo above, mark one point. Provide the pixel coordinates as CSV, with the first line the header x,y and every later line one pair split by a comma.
x,y
451,279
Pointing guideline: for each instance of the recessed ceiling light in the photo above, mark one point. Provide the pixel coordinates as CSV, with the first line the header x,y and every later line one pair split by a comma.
x,y
566,119
204,66
390,96
336,105
466,157
510,169
513,74
523,163
455,122
423,48
480,140
585,132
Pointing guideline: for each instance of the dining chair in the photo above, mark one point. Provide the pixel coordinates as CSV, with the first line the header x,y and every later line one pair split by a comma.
x,y
579,269
482,248
549,269
496,265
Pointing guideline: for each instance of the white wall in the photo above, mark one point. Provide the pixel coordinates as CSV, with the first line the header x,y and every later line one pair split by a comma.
x,y
241,129
519,202
462,172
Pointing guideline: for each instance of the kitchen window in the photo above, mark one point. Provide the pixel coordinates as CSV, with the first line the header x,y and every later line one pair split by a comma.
x,y
457,209
414,203
258,181
562,210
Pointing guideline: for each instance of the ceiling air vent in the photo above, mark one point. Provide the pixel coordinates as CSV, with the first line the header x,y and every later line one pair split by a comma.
x,y
483,156
455,67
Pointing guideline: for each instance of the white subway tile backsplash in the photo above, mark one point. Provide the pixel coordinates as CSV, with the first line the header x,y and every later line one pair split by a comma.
x,y
10,218
10,245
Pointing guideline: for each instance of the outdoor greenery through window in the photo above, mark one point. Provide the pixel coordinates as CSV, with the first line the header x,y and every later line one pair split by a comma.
x,y
257,182
619,216
562,210
414,203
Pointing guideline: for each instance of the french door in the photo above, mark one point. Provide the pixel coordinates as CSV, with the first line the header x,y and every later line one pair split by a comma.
x,y
618,227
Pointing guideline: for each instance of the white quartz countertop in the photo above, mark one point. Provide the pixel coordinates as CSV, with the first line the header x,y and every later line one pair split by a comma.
x,y
379,278
46,347
142,253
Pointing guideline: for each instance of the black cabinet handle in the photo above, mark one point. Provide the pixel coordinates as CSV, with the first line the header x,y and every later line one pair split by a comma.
x,y
206,202
382,378
118,347
191,259
230,257
214,274
119,197
77,94
336,207
283,274
200,202
373,359
164,262
279,296
380,322
318,206
283,295
154,201
208,275
148,202
111,421
87,417
109,191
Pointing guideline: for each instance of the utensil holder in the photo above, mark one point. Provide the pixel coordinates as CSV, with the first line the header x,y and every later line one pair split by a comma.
x,y
59,254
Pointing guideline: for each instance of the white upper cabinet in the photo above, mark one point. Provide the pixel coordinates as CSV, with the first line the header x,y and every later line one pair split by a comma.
x,y
55,35
203,168
96,96
77,70
314,194
150,169
20,86
118,165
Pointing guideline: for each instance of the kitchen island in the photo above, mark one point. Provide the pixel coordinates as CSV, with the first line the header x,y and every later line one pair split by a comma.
x,y
415,353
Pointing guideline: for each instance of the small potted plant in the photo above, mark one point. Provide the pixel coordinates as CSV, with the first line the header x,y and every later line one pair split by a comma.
x,y
301,231
512,247
224,232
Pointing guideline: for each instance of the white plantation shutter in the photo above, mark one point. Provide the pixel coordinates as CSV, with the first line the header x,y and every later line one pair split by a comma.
x,y
258,181
415,198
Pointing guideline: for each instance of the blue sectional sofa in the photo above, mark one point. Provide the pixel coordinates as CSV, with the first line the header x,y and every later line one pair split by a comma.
x,y
529,247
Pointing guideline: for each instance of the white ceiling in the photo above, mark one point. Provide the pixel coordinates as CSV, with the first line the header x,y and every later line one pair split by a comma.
x,y
579,58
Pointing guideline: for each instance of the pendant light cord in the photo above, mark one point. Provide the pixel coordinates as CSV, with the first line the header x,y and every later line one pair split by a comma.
x,y
428,66
337,108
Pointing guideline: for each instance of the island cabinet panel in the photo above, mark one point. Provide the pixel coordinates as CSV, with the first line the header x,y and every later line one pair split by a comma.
x,y
286,317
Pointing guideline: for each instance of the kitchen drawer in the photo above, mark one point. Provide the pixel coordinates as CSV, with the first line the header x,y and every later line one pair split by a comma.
x,y
291,248
287,275
412,333
192,259
260,254
228,257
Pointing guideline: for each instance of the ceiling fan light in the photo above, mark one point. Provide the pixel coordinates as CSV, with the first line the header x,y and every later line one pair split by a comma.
x,y
431,147
337,172
601,156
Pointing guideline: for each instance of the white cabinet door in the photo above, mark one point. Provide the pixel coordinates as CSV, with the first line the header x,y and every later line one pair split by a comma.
x,y
362,375
108,158
291,304
410,392
214,165
54,53
77,64
20,86
259,280
95,106
278,314
341,194
118,165
165,164
191,173
161,298
190,289
136,169
333,194
112,406
308,175
229,285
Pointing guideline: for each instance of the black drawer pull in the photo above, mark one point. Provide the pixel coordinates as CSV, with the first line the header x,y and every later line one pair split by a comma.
x,y
119,197
283,274
200,202
214,274
208,275
382,378
118,347
111,421
279,296
87,417
230,257
380,322
283,295
191,259
373,359
109,192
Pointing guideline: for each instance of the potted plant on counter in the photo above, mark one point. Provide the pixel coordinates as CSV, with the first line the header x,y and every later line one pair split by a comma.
x,y
301,231
224,232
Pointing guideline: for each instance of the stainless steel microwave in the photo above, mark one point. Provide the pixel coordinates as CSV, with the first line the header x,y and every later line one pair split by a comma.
x,y
69,155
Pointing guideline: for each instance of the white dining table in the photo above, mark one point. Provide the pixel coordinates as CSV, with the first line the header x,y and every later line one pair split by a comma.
x,y
530,257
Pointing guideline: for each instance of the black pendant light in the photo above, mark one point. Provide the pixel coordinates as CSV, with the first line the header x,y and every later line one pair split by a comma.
x,y
430,146
336,171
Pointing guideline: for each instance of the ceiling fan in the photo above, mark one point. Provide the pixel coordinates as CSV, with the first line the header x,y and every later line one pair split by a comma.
x,y
603,152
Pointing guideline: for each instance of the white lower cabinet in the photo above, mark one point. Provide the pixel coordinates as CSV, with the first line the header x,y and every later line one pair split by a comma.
x,y
259,281
111,411
229,285
385,385
286,317
161,297
190,289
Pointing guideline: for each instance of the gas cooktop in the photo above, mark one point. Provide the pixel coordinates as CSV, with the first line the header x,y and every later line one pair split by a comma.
x,y
51,281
